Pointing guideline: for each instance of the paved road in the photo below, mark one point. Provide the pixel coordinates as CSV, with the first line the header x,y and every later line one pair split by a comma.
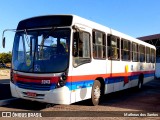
x,y
4,84
148,99
5,89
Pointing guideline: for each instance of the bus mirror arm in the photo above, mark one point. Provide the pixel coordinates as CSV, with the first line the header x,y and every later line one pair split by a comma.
x,y
3,38
78,30
75,27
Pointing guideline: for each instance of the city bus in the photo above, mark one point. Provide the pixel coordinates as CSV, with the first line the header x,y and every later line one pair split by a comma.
x,y
63,59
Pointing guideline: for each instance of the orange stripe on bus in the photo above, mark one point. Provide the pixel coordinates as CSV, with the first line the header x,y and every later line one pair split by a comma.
x,y
94,76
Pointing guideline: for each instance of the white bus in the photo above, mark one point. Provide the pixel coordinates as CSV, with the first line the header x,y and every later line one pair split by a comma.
x,y
64,59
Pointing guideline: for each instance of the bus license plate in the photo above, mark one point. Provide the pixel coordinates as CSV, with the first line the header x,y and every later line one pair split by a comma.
x,y
31,94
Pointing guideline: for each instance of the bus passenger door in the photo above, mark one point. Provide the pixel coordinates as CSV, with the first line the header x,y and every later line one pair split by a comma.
x,y
113,63
81,66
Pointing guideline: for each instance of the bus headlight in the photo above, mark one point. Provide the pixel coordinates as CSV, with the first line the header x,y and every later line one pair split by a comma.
x,y
62,80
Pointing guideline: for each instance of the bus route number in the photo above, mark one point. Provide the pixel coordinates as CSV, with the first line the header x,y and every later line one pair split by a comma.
x,y
45,82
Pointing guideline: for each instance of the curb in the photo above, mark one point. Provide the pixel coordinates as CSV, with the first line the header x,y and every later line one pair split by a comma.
x,y
7,101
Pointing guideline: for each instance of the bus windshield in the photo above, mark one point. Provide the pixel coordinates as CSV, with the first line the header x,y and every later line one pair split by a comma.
x,y
41,50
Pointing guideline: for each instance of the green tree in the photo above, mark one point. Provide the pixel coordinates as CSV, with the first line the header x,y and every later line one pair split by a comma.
x,y
5,57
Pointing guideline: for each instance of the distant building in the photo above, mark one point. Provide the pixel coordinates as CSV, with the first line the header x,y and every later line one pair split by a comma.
x,y
154,40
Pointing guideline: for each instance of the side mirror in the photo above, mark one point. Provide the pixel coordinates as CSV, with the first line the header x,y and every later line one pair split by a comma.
x,y
3,38
3,42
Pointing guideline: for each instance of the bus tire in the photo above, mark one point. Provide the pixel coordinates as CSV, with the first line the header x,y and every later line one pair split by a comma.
x,y
139,85
140,82
96,93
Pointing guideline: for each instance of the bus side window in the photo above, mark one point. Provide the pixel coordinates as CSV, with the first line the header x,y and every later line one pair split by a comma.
x,y
147,54
135,52
142,53
99,45
125,50
152,56
81,48
113,47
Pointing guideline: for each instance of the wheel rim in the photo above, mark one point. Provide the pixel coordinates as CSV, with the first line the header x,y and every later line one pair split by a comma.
x,y
97,93
140,85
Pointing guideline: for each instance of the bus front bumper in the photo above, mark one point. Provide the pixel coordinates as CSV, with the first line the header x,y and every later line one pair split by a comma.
x,y
56,96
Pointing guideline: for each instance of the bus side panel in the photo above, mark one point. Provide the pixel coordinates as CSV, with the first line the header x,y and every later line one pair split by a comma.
x,y
83,78
148,76
134,75
117,76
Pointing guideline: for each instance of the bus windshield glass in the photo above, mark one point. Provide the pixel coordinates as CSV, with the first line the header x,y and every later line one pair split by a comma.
x,y
41,50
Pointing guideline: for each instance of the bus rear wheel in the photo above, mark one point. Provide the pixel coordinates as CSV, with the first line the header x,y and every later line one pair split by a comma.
x,y
140,82
139,85
96,93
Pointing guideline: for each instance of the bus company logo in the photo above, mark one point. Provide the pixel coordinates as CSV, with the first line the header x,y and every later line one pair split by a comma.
x,y
37,68
141,67
6,114
131,67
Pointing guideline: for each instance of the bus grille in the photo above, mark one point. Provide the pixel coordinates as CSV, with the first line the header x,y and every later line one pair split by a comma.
x,y
34,86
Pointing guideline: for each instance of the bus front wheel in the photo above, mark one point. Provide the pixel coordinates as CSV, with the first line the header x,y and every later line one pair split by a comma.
x,y
96,93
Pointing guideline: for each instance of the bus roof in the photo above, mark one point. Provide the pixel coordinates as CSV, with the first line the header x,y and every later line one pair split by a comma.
x,y
96,26
74,19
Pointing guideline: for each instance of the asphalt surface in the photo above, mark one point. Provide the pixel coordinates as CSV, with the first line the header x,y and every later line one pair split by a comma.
x,y
118,103
5,89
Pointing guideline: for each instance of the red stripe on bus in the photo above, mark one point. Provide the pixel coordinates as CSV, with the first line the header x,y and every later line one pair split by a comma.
x,y
76,78
30,79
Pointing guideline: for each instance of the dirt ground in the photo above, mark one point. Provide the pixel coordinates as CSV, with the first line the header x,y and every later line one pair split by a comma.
x,y
4,74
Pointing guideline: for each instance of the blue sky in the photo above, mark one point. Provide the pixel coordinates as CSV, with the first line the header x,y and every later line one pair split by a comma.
x,y
133,17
